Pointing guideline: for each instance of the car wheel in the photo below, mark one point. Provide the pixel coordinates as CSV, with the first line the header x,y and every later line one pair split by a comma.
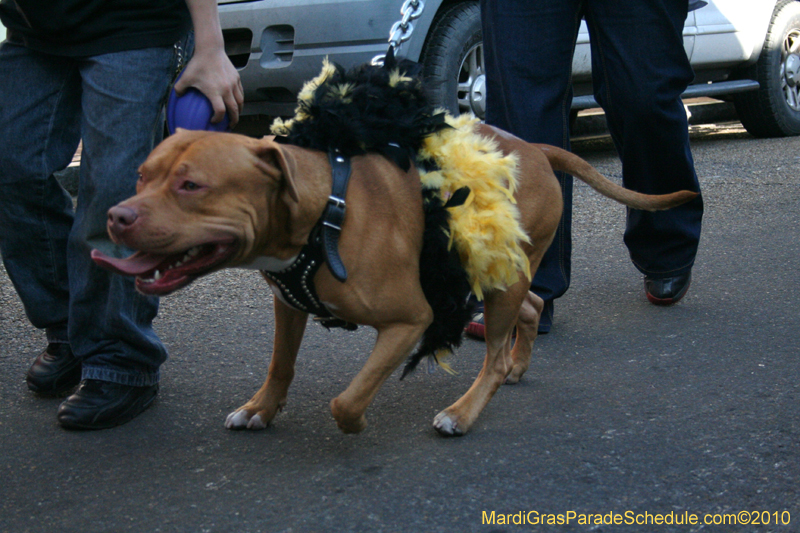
x,y
774,109
453,61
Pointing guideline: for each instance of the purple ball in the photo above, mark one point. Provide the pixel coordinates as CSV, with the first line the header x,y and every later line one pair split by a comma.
x,y
192,111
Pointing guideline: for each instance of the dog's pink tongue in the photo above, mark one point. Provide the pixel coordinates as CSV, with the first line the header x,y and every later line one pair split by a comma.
x,y
137,264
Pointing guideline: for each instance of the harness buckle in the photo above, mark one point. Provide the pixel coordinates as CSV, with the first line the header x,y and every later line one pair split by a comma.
x,y
336,201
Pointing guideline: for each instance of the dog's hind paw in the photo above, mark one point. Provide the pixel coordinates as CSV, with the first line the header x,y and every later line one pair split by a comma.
x,y
514,376
446,425
241,419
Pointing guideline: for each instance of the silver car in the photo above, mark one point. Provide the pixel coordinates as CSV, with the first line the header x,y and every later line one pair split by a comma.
x,y
741,50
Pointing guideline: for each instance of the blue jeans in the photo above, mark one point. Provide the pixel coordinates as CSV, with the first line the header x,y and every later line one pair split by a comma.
x,y
113,102
639,70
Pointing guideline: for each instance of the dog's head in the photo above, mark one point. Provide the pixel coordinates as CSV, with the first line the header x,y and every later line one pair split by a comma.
x,y
203,201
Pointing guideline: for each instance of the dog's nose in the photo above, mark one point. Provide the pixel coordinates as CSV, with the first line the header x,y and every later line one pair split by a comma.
x,y
121,217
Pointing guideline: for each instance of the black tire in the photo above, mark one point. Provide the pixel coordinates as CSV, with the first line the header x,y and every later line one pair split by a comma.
x,y
453,60
774,109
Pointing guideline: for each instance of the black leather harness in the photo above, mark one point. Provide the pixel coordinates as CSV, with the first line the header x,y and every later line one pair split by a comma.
x,y
296,282
333,215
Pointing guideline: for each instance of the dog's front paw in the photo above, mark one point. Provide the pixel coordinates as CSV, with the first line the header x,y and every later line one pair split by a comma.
x,y
447,425
243,419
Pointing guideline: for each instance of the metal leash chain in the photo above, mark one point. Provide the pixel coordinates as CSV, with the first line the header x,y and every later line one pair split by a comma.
x,y
180,56
402,29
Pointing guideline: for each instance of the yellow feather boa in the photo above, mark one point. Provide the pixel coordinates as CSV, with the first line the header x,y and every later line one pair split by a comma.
x,y
485,230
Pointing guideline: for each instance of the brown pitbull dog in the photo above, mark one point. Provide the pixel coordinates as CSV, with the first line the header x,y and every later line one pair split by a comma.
x,y
206,201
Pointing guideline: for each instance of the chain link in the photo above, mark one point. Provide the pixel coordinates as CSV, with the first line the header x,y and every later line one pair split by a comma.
x,y
402,29
180,57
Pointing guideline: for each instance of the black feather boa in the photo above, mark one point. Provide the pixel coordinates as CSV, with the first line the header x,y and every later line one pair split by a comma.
x,y
444,283
384,109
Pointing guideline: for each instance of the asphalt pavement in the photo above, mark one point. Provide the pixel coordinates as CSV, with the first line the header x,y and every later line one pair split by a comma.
x,y
629,412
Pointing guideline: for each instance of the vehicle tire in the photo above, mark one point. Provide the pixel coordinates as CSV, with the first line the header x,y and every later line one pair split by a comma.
x,y
453,61
774,109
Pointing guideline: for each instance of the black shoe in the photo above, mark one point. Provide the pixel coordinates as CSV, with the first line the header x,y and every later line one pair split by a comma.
x,y
55,371
667,291
103,404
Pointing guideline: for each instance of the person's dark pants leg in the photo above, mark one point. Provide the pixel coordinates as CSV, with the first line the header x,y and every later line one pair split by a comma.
x,y
40,119
528,49
110,323
640,70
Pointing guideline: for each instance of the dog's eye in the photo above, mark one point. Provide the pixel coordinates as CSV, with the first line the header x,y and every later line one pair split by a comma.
x,y
190,186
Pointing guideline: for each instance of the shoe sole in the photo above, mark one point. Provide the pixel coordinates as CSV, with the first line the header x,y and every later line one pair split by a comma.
x,y
476,330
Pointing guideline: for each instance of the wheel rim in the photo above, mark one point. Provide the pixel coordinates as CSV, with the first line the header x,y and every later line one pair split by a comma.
x,y
472,83
790,69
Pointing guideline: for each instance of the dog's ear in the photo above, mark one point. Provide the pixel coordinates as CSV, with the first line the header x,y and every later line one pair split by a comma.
x,y
304,180
270,152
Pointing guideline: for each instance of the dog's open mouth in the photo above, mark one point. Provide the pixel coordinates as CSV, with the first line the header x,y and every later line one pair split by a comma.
x,y
162,274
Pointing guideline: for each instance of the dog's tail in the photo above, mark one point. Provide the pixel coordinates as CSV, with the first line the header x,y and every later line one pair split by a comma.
x,y
572,164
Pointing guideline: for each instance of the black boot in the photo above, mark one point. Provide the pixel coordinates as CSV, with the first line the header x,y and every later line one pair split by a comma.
x,y
55,371
667,291
103,404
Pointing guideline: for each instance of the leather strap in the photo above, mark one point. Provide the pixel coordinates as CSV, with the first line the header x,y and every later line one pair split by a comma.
x,y
296,282
333,215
